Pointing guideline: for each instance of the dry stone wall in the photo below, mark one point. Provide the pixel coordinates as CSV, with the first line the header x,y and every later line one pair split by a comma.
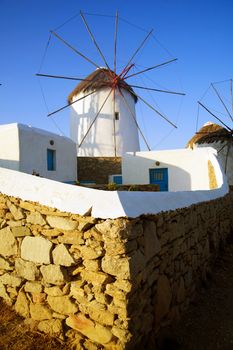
x,y
106,284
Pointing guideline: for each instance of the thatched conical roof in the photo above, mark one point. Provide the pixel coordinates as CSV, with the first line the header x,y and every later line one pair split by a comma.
x,y
100,78
210,133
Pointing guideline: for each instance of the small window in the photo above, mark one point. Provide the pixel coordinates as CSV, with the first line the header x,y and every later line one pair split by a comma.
x,y
51,160
116,115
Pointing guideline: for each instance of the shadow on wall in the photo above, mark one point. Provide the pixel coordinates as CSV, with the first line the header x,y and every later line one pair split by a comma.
x,y
9,164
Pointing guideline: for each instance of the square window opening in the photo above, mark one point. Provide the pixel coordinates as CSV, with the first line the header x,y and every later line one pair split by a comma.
x,y
117,115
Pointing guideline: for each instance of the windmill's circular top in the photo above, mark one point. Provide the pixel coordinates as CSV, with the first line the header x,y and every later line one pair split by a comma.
x,y
100,78
209,133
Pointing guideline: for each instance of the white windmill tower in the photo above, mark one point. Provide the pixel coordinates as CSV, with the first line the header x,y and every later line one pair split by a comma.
x,y
103,124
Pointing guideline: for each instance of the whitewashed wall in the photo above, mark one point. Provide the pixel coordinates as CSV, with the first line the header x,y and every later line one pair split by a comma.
x,y
222,156
187,169
24,148
103,204
100,140
9,146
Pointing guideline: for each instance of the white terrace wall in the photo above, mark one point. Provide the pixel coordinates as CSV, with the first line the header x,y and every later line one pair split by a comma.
x,y
187,169
106,283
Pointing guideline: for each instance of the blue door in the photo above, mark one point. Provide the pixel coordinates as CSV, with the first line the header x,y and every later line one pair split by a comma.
x,y
117,179
159,177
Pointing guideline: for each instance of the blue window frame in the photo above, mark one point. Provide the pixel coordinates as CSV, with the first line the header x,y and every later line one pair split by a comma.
x,y
159,177
51,160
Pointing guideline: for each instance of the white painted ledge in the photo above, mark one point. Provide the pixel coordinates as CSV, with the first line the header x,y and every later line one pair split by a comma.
x,y
104,204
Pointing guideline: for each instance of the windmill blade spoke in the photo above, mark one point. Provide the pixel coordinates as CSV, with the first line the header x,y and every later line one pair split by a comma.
x,y
60,77
155,110
150,68
231,96
74,49
115,41
93,39
69,104
220,98
138,49
135,120
102,106
158,90
114,119
222,148
211,113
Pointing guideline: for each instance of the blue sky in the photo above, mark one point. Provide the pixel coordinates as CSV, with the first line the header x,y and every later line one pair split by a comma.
x,y
198,33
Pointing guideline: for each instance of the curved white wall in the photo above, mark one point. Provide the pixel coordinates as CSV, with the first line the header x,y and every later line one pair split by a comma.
x,y
104,204
225,157
100,140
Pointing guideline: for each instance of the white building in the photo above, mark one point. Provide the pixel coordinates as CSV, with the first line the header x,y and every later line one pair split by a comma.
x,y
35,151
173,170
114,131
214,135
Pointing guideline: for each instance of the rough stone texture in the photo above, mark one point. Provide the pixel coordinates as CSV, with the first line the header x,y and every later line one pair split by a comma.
x,y
26,269
36,219
20,231
51,327
53,274
62,223
22,305
40,312
98,169
8,244
93,331
36,249
61,256
98,277
62,305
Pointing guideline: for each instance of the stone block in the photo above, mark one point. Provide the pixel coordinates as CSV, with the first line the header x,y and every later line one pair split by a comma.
x,y
11,280
36,219
36,249
92,330
62,304
4,264
8,246
26,269
96,278
21,231
116,266
51,327
61,223
40,312
22,305
33,287
71,237
53,274
17,213
61,256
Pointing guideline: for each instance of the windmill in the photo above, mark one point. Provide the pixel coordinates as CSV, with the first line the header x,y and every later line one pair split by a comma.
x,y
218,136
103,117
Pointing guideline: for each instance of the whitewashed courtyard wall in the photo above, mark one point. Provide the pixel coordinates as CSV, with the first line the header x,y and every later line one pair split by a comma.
x,y
187,169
